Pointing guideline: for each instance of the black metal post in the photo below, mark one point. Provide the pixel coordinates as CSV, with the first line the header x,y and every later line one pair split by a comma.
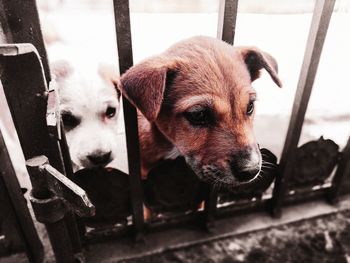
x,y
50,210
227,20
23,26
22,220
27,98
318,31
24,15
123,31
225,32
22,20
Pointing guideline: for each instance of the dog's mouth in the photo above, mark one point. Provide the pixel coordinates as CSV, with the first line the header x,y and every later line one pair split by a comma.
x,y
89,165
220,180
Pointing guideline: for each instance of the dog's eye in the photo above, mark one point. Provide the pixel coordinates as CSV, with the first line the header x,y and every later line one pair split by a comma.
x,y
250,108
110,112
69,121
200,117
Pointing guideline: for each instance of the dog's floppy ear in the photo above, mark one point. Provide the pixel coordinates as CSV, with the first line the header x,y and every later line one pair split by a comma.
x,y
256,59
60,69
109,73
144,84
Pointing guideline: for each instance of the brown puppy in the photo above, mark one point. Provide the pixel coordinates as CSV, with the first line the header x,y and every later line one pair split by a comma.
x,y
197,101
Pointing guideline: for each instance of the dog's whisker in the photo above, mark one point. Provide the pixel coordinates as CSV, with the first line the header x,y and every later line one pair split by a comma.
x,y
263,167
268,164
264,161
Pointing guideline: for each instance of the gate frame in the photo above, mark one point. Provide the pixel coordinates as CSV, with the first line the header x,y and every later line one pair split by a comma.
x,y
22,231
25,17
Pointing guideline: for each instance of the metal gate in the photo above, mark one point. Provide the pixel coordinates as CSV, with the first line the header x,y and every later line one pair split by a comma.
x,y
57,201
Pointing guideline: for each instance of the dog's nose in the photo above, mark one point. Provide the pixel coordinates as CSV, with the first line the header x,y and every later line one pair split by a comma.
x,y
246,174
245,164
100,158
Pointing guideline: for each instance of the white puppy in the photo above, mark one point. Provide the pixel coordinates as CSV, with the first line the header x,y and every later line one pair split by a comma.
x,y
89,107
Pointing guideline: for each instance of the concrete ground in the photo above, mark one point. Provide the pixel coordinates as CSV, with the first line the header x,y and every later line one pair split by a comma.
x,y
318,240
309,232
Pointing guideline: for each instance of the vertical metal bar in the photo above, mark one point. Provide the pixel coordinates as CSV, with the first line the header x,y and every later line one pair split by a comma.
x,y
210,202
23,219
123,31
318,31
343,169
24,27
50,210
27,97
11,240
71,220
57,232
227,20
73,232
226,32
65,155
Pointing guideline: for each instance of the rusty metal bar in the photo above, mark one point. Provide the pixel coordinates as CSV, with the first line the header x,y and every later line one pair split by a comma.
x,y
227,20
343,169
318,31
123,31
23,220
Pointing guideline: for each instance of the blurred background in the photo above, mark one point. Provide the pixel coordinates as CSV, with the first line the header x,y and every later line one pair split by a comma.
x,y
86,28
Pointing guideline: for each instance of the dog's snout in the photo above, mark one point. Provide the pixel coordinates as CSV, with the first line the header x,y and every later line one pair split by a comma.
x,y
100,159
245,165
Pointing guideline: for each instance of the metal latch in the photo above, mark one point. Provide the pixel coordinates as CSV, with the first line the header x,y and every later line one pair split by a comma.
x,y
59,185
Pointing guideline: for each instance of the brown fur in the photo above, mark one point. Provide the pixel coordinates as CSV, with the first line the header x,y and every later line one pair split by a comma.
x,y
196,72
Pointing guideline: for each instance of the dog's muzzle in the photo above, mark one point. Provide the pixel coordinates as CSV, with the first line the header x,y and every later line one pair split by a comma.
x,y
245,164
100,158
243,168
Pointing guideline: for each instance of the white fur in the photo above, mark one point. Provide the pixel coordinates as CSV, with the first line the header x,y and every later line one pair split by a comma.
x,y
87,95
